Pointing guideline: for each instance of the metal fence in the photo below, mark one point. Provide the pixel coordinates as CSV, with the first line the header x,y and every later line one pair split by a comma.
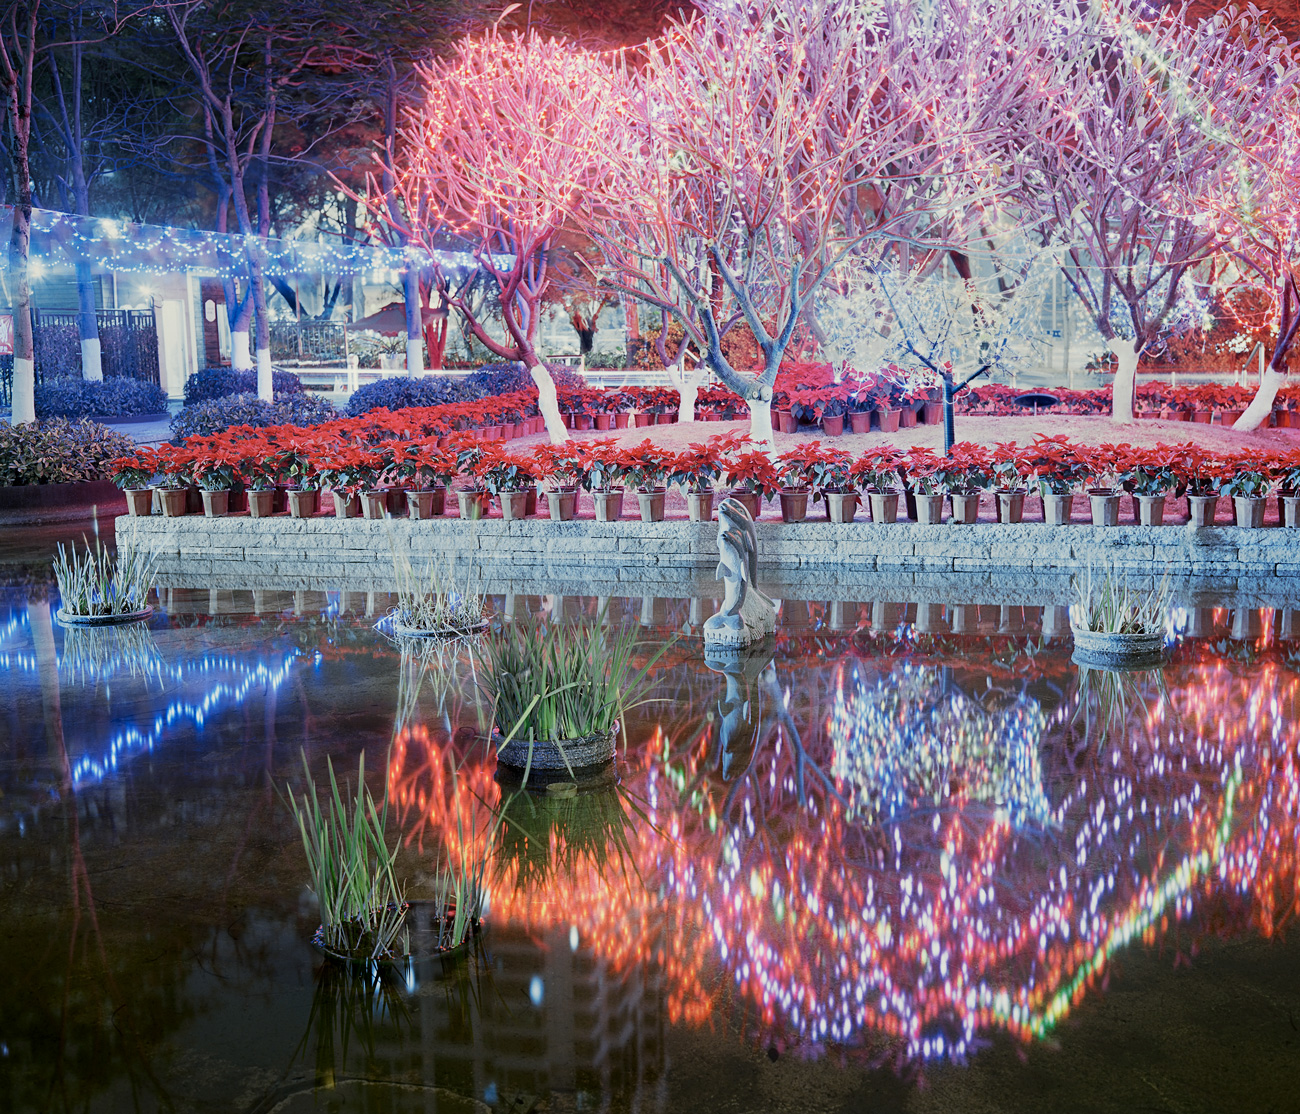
x,y
128,340
309,342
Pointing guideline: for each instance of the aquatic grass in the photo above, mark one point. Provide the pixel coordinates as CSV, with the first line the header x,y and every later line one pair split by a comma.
x,y
93,654
100,583
561,682
1111,605
435,599
1110,701
362,907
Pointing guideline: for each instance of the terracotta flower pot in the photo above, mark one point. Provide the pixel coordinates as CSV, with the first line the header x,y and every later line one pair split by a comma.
x,y
173,501
473,504
1249,510
609,505
932,413
1229,417
666,418
794,504
929,509
395,500
531,492
750,500
643,420
303,503
1282,418
651,504
216,503
1203,417
562,503
514,505
833,426
582,421
1011,506
374,504
889,420
884,506
603,421
1058,509
1105,506
788,424
347,504
860,421
1201,510
699,506
907,417
139,501
1151,510
965,507
424,505
261,504
621,419
841,506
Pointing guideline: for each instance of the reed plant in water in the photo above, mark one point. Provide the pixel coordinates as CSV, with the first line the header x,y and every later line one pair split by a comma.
x,y
99,582
562,682
92,654
362,907
1109,604
435,600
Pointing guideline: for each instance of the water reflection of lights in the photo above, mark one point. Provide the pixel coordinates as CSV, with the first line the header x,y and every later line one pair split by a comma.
x,y
992,909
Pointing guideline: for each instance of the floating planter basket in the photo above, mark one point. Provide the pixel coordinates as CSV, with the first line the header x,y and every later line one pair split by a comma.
x,y
559,754
428,932
1103,649
400,630
69,620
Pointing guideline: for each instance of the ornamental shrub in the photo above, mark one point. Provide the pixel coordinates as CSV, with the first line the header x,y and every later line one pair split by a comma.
x,y
58,451
221,382
397,392
219,414
119,397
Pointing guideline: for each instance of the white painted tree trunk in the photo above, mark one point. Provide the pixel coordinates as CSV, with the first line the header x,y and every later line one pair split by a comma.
x,y
24,391
240,357
414,357
265,381
92,360
760,422
1121,399
1262,404
688,387
548,403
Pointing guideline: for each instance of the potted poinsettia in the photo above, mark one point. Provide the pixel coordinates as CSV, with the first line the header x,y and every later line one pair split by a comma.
x,y
1011,467
427,470
601,467
1286,474
474,499
966,473
297,466
508,476
1246,480
647,468
698,469
558,466
133,473
1102,468
831,410
752,479
795,467
1199,473
1148,474
174,477
876,472
261,472
925,474
1059,469
830,477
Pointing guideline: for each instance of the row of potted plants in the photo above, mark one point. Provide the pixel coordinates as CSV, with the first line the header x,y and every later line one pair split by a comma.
x,y
290,468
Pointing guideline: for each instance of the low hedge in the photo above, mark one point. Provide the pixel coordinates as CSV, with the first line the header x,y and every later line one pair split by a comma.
x,y
119,397
399,393
215,415
220,382
58,451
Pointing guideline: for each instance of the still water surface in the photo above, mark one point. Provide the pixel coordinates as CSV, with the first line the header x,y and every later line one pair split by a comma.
x,y
912,859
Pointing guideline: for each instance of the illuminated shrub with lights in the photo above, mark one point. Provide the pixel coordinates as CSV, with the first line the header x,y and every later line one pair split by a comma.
x,y
74,397
216,415
58,452
221,382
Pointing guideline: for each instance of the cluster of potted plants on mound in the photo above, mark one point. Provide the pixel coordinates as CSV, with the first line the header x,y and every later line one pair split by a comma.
x,y
289,469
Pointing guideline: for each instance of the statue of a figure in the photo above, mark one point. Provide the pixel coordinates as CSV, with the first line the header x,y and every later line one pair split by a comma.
x,y
747,615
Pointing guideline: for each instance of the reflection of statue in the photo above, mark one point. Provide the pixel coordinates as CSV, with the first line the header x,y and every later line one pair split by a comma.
x,y
738,709
747,615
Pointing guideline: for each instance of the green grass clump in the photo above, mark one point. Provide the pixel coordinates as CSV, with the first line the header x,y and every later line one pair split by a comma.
x,y
1109,604
433,599
99,583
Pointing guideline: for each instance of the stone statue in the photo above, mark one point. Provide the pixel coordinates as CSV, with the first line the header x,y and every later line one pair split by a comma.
x,y
747,615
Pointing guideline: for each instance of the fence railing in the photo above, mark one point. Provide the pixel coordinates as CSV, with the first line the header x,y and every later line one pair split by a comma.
x,y
309,342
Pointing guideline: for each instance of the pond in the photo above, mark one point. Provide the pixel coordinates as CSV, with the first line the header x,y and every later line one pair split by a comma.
x,y
914,858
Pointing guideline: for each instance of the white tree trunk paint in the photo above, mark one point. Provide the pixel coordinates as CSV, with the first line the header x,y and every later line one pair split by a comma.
x,y
92,361
760,423
24,391
414,357
240,359
1121,399
265,381
548,403
688,386
1262,404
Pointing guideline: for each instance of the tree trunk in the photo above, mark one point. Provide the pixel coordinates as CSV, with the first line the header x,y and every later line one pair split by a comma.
x,y
688,387
265,380
24,382
1275,377
548,403
92,363
760,422
1256,414
1124,389
414,339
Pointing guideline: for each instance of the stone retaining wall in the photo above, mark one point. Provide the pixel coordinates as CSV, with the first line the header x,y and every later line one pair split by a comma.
x,y
837,561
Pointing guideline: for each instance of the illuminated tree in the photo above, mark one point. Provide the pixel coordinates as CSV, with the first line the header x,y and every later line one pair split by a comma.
x,y
768,143
1151,110
507,125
